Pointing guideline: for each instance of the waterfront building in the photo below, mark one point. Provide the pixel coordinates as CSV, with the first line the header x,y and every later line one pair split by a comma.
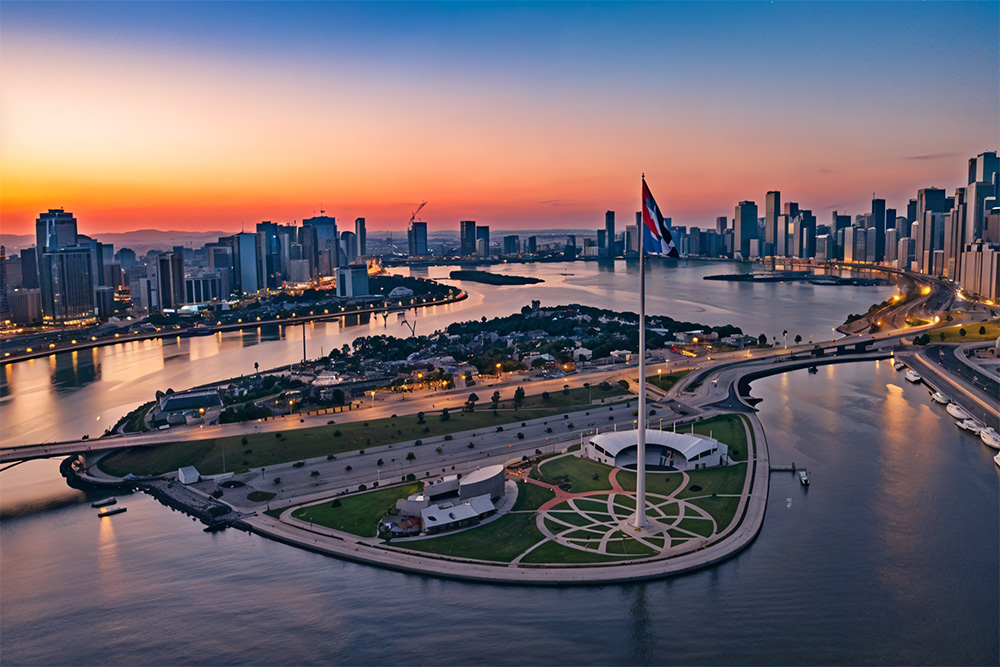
x,y
416,237
29,268
772,208
67,285
665,450
467,233
511,244
349,247
532,245
321,244
352,281
609,234
4,308
824,247
25,305
246,264
362,236
483,240
721,223
745,227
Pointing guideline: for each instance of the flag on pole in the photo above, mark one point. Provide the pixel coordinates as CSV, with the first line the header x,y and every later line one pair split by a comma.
x,y
658,240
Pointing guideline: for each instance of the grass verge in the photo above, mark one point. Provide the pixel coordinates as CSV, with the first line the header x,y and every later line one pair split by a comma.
x,y
358,515
531,496
502,540
579,472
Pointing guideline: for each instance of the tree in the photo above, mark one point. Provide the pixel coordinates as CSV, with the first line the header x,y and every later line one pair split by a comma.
x,y
496,399
444,415
256,367
420,417
380,463
337,397
545,396
982,331
961,332
798,338
410,456
471,403
518,397
762,340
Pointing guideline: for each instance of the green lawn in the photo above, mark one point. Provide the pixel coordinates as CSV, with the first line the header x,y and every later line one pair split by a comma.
x,y
501,540
728,429
580,396
728,479
265,449
666,381
531,496
580,473
701,527
722,509
359,514
553,552
260,496
953,334
629,547
663,483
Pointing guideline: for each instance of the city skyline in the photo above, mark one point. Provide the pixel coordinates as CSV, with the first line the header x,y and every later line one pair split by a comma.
x,y
194,117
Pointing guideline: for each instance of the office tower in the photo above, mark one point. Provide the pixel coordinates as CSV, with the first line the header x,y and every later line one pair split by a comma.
x,y
511,245
602,242
362,234
4,308
166,271
721,223
245,264
632,239
349,247
871,245
929,200
126,256
67,285
467,232
878,224
772,208
745,228
324,253
890,218
29,269
570,251
268,254
53,230
891,246
352,281
824,247
609,233
416,237
981,194
532,245
791,209
483,234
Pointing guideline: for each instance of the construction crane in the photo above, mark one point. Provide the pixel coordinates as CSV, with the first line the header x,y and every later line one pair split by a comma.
x,y
414,216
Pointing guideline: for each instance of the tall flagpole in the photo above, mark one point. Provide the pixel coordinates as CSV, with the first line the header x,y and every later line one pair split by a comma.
x,y
640,466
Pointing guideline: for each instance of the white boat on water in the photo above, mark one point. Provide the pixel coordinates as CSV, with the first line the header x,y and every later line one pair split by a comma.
x,y
940,398
803,477
956,411
970,425
913,376
990,438
899,365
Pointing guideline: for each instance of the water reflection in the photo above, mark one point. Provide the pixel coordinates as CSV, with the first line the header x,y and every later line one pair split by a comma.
x,y
109,568
640,634
72,370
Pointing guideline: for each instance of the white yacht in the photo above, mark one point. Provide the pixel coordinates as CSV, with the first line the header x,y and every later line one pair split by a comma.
x,y
990,437
956,411
899,365
913,376
970,425
940,398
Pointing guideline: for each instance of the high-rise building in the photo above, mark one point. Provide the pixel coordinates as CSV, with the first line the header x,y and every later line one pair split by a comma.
x,y
532,245
483,236
929,200
323,247
467,232
721,223
772,208
745,227
352,280
362,234
53,230
511,244
348,247
269,254
877,253
609,233
67,285
246,264
416,237
29,269
4,308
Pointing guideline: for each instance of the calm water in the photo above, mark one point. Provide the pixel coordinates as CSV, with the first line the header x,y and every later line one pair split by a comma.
x,y
889,557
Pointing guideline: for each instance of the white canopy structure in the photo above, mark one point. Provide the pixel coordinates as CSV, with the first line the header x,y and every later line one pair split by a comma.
x,y
663,449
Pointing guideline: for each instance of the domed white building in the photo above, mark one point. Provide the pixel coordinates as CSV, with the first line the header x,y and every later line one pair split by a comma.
x,y
664,450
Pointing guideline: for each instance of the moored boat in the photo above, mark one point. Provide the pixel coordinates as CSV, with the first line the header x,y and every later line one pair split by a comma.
x,y
111,511
970,425
913,376
803,477
990,438
105,502
899,365
959,413
940,398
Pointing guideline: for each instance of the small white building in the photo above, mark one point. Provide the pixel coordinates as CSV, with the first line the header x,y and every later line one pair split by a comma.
x,y
188,475
436,518
664,450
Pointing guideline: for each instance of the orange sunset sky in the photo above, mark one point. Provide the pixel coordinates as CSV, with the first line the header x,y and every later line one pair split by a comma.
x,y
211,116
